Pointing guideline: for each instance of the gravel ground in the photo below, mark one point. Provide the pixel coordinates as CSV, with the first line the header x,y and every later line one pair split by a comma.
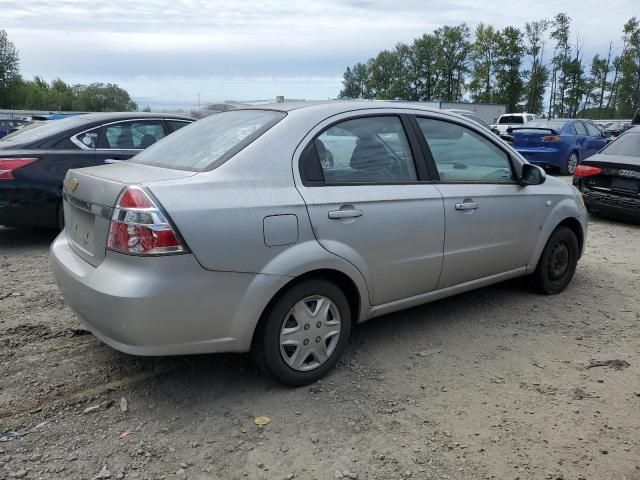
x,y
490,384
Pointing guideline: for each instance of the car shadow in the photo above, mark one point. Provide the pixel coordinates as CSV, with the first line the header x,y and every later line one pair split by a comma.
x,y
223,376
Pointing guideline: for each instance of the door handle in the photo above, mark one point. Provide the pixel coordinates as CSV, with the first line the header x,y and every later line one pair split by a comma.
x,y
466,206
113,160
335,214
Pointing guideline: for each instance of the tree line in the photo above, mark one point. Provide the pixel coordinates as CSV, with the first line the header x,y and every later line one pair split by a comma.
x,y
539,69
38,94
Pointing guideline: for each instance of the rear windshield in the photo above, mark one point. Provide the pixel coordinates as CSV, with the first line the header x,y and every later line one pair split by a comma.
x,y
209,142
511,119
627,144
42,130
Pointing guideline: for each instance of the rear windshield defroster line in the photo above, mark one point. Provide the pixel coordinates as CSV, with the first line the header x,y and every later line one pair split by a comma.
x,y
208,143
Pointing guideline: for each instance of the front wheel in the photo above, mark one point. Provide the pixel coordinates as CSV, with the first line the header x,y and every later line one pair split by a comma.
x,y
571,165
304,333
558,262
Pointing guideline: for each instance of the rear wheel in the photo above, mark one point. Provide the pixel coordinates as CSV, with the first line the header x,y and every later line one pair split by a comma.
x,y
558,262
571,164
304,333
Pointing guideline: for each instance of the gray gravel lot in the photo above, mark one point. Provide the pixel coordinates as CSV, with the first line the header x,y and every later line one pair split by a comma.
x,y
502,389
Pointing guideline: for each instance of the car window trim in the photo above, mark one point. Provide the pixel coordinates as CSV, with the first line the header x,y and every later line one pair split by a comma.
x,y
422,172
432,164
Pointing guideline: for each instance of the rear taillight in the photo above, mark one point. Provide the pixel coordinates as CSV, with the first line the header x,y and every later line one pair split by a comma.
x,y
10,165
551,138
139,227
586,171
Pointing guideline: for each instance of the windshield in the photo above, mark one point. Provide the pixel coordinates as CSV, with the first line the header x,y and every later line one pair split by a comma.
x,y
511,119
210,141
44,129
627,144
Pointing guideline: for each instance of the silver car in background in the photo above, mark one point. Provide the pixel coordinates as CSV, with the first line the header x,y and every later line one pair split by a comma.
x,y
274,229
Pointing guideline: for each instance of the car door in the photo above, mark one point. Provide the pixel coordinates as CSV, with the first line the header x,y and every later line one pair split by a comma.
x,y
582,138
369,202
121,140
595,140
491,224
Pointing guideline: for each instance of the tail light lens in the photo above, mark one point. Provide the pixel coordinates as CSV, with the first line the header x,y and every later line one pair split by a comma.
x,y
551,138
586,171
10,165
139,227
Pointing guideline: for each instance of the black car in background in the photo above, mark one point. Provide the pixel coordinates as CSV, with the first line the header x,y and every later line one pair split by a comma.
x,y
34,161
610,180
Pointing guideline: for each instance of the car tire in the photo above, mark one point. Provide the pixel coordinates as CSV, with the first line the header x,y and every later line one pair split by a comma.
x,y
280,335
558,262
570,164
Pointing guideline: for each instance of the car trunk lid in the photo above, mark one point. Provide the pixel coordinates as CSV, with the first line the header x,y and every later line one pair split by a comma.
x,y
531,137
619,175
90,195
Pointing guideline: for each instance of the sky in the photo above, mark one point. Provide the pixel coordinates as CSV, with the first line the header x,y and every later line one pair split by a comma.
x,y
166,53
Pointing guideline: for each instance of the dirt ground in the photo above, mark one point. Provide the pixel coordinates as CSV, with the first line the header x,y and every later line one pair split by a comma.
x,y
490,384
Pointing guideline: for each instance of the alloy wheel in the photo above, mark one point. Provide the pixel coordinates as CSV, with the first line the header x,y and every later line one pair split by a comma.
x,y
572,163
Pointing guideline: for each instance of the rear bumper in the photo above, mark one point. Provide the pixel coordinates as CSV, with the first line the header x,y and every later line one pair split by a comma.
x,y
167,305
550,157
612,204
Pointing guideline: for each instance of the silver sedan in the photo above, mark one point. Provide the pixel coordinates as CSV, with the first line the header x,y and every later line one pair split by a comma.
x,y
274,229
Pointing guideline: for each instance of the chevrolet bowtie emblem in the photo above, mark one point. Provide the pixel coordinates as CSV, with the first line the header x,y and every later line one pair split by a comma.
x,y
73,184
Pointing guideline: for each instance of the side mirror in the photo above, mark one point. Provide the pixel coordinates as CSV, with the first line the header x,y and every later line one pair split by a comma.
x,y
532,175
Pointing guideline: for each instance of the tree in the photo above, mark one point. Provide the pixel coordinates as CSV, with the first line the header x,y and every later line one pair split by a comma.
x,y
508,59
425,68
452,61
483,54
355,82
9,71
538,74
560,64
628,96
100,97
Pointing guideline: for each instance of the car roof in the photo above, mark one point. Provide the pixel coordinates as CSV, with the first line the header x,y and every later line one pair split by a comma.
x,y
100,116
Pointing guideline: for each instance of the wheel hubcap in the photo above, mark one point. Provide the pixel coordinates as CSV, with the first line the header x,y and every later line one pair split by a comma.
x,y
310,333
558,261
572,163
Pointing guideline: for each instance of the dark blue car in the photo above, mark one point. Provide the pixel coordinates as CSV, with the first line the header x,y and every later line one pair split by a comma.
x,y
559,143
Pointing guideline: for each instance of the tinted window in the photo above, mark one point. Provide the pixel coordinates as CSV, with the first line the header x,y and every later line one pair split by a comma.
x,y
627,144
210,141
133,135
177,124
511,119
366,150
462,155
580,130
593,130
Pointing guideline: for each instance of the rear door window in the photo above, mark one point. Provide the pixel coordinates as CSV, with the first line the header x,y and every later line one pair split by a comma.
x,y
134,135
366,150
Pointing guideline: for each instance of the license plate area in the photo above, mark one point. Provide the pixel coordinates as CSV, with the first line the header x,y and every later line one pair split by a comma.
x,y
80,228
626,184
